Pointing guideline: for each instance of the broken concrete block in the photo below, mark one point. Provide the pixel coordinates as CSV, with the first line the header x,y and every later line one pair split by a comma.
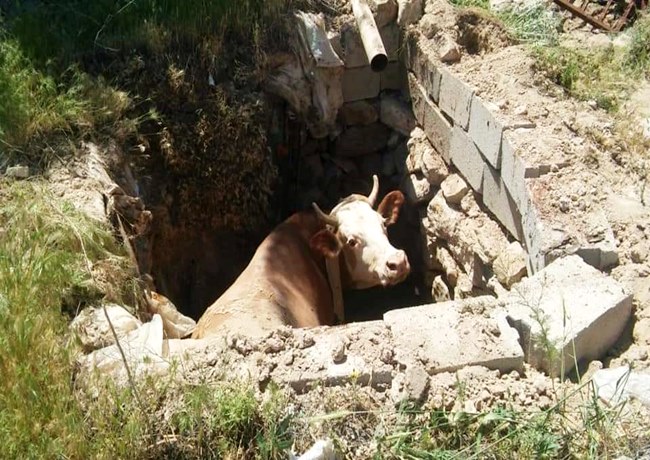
x,y
485,130
510,266
360,83
432,164
448,336
454,188
337,356
442,220
142,348
409,12
568,313
455,98
384,11
466,157
437,129
358,113
497,199
94,330
396,114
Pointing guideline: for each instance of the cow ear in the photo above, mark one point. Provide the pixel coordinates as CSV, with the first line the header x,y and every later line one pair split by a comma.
x,y
390,205
326,243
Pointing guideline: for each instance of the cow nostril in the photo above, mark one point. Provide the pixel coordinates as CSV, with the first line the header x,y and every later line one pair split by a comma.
x,y
392,266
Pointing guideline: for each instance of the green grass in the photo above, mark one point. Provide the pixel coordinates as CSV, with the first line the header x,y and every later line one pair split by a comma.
x,y
47,253
605,75
35,104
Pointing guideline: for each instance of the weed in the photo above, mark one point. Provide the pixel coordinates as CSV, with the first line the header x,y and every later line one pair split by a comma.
x,y
534,24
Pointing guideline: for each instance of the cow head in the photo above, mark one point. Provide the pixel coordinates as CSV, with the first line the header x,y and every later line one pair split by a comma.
x,y
358,232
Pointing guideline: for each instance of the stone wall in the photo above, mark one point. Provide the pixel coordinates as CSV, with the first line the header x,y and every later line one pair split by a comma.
x,y
489,149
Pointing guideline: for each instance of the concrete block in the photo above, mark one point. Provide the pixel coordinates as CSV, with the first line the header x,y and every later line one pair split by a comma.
x,y
393,77
431,80
437,129
353,52
448,336
485,130
417,97
513,173
466,157
339,355
498,200
390,35
568,313
455,98
360,83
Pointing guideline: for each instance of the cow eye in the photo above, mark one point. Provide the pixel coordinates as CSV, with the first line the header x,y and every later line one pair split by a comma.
x,y
352,242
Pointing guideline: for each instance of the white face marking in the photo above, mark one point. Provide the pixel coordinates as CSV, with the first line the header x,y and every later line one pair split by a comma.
x,y
369,257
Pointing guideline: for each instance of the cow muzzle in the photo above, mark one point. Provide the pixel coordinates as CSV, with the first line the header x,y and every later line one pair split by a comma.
x,y
397,268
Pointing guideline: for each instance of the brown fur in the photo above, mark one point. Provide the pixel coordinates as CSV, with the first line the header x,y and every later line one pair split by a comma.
x,y
285,283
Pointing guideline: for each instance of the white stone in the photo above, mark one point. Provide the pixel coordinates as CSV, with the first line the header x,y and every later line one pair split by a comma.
x,y
510,266
17,172
142,349
619,384
396,114
454,188
568,313
440,290
448,336
409,12
449,50
94,330
432,164
417,189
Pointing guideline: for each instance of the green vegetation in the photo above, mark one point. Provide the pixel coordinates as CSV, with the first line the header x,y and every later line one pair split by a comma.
x,y
49,255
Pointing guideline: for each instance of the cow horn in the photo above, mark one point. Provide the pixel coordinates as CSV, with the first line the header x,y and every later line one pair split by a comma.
x,y
325,217
375,190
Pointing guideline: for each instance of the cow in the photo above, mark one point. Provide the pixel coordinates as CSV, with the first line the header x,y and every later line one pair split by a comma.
x,y
286,281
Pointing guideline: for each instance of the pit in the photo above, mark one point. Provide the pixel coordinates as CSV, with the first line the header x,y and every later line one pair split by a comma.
x,y
213,198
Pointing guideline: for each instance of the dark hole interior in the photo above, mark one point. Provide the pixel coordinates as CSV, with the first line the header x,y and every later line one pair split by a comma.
x,y
193,266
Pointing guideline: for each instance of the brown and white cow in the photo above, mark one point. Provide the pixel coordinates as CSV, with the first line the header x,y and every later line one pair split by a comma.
x,y
286,281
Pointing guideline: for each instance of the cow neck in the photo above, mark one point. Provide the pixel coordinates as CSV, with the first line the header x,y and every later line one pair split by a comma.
x,y
332,264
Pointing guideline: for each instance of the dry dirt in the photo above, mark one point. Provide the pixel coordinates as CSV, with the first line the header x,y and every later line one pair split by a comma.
x,y
588,174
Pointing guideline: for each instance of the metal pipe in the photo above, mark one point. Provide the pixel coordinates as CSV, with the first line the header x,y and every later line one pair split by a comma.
x,y
370,37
